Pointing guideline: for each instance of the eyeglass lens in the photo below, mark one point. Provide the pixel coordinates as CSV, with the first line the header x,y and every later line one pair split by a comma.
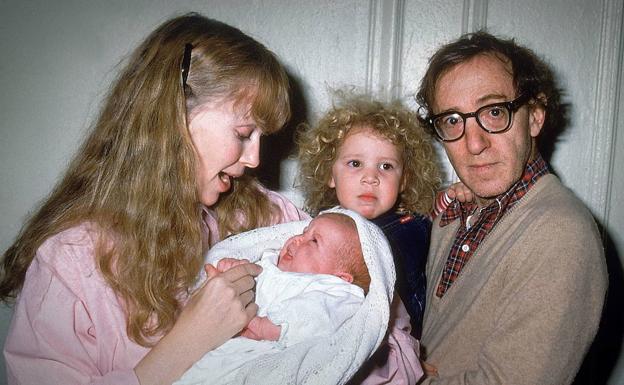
x,y
492,118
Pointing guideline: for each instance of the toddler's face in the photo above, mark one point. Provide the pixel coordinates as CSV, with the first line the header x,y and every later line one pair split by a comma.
x,y
316,249
367,173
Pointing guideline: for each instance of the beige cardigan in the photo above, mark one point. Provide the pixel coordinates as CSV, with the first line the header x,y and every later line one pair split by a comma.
x,y
526,307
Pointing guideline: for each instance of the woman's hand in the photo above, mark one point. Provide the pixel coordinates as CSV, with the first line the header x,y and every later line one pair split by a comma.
x,y
229,293
215,312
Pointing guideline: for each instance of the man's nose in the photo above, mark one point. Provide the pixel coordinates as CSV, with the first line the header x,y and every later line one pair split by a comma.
x,y
477,139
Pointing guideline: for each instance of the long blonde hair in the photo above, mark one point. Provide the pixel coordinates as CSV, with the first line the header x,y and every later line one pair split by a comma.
x,y
319,145
134,176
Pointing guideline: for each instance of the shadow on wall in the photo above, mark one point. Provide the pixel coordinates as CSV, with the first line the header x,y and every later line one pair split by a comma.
x,y
277,147
602,358
557,121
604,352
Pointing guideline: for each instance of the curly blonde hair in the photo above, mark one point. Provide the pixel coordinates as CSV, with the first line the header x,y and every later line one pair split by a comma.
x,y
319,145
135,175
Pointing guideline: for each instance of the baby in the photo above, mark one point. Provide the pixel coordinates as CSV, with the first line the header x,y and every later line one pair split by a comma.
x,y
309,288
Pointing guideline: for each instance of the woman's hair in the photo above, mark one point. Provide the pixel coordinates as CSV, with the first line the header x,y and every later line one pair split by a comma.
x,y
319,145
135,175
349,257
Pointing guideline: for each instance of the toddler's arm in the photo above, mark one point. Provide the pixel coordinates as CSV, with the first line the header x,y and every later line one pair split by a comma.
x,y
460,192
261,328
457,191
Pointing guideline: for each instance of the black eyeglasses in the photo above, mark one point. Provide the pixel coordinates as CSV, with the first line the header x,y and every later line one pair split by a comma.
x,y
493,118
186,63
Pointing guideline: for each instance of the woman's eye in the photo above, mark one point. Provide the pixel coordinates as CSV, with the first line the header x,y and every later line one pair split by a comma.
x,y
245,132
354,163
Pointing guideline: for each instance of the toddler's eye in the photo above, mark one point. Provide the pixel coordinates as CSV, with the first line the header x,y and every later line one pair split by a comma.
x,y
386,166
354,163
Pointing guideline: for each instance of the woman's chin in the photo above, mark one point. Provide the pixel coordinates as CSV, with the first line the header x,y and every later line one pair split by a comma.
x,y
209,199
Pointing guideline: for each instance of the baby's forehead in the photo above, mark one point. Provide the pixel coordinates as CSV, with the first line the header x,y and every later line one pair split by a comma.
x,y
336,220
340,227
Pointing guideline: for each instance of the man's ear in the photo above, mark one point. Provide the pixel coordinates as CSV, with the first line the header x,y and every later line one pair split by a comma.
x,y
344,276
537,114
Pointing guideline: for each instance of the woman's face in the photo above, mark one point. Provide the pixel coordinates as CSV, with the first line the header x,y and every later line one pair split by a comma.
x,y
226,140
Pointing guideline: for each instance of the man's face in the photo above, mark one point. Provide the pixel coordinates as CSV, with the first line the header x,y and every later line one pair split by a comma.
x,y
488,164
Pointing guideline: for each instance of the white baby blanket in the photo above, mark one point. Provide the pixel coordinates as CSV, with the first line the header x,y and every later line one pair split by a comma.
x,y
331,359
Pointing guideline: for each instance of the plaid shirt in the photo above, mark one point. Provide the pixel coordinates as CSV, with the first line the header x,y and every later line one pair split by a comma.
x,y
471,234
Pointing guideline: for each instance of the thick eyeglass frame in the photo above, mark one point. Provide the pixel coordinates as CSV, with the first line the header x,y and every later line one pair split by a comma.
x,y
511,107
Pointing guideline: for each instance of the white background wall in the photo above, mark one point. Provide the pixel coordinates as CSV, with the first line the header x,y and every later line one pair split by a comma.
x,y
58,58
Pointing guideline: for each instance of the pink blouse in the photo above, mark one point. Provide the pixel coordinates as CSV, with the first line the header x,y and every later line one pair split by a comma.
x,y
69,327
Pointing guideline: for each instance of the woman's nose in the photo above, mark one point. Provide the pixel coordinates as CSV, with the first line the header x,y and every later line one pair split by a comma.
x,y
251,153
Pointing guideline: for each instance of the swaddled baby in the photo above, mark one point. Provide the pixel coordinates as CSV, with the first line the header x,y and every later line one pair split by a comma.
x,y
308,289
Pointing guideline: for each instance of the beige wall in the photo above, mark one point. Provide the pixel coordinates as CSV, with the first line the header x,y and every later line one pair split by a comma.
x,y
58,58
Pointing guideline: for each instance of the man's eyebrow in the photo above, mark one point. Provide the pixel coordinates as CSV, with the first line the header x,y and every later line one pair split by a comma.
x,y
489,97
480,100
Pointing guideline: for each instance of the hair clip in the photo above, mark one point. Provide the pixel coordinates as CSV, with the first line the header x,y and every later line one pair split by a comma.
x,y
186,63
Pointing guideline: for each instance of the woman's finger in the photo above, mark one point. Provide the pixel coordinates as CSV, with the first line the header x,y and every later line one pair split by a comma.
x,y
247,297
242,276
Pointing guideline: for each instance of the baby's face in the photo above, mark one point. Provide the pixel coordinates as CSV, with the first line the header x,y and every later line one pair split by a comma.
x,y
316,249
367,173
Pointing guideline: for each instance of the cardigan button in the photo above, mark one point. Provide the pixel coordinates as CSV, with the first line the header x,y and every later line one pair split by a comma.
x,y
465,248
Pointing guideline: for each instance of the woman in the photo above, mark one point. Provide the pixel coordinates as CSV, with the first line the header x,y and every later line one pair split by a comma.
x,y
103,267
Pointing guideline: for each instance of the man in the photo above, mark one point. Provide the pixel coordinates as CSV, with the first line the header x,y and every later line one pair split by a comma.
x,y
516,279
